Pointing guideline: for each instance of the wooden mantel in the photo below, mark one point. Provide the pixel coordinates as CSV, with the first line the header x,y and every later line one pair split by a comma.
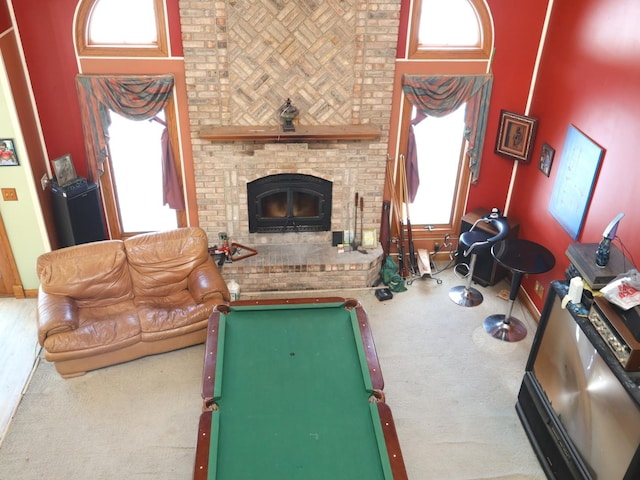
x,y
303,133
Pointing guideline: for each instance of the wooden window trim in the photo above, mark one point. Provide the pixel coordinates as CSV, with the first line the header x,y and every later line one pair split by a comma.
x,y
85,49
482,51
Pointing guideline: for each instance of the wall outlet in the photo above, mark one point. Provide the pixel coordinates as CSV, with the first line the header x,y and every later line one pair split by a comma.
x,y
9,195
539,289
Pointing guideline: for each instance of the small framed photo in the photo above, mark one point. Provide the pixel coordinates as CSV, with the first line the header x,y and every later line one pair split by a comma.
x,y
516,135
369,239
8,156
65,172
546,159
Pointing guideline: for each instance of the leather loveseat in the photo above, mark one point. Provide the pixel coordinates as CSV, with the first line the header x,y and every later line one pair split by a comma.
x,y
113,301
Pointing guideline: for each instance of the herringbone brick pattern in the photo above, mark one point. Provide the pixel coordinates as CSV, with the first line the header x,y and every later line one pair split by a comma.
x,y
298,49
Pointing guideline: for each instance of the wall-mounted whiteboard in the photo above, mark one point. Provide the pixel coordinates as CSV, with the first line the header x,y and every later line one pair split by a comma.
x,y
575,180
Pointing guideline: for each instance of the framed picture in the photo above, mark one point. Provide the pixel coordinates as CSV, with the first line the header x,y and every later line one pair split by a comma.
x,y
65,172
369,239
516,134
546,159
8,155
572,189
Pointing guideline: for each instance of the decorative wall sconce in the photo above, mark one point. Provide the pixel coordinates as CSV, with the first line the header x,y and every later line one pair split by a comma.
x,y
287,113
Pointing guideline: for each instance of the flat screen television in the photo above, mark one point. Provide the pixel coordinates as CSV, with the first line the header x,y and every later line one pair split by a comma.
x,y
581,419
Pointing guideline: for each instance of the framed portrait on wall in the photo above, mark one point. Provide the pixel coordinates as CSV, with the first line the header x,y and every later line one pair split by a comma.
x,y
546,159
8,156
516,134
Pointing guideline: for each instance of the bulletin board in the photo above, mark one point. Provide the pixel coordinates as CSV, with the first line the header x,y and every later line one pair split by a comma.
x,y
575,180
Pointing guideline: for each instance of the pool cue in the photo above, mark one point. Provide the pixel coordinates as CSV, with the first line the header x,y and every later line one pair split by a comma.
x,y
385,229
397,215
385,220
413,261
392,193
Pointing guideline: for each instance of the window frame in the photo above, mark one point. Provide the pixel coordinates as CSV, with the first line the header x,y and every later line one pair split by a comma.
x,y
438,238
482,51
463,181
85,48
110,192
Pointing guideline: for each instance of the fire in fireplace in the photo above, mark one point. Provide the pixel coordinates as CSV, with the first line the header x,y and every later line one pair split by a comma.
x,y
289,202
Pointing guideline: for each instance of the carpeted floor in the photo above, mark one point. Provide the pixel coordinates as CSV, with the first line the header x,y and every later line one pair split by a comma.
x,y
451,387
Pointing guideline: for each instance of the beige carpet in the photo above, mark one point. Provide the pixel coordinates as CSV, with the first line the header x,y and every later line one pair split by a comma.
x,y
451,388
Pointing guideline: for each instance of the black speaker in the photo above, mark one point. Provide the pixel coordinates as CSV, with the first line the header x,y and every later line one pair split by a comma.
x,y
78,215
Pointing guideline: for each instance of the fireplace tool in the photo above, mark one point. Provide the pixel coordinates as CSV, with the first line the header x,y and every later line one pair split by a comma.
x,y
354,242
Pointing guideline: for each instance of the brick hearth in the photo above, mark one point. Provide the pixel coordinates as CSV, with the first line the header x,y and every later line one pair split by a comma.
x,y
287,267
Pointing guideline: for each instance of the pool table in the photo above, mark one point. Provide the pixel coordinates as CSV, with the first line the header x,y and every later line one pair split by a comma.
x,y
292,389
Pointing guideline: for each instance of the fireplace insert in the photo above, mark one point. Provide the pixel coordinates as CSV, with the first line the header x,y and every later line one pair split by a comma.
x,y
289,202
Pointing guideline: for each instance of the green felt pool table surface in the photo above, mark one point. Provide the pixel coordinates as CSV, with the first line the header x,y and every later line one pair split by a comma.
x,y
293,390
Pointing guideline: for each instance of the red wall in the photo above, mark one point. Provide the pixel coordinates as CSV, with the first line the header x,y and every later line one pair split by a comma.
x,y
517,30
5,20
46,32
589,77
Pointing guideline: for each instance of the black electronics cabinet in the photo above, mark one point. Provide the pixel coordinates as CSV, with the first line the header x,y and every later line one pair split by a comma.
x,y
486,271
578,405
78,214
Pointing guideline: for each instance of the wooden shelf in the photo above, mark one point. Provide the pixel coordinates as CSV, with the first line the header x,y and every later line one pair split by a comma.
x,y
303,133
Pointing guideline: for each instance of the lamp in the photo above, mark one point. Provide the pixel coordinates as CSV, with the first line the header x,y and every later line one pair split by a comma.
x,y
604,248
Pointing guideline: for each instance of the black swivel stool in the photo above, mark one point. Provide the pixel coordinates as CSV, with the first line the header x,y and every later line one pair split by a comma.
x,y
472,242
521,257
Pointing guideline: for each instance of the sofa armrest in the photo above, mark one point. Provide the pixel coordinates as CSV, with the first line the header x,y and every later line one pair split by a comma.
x,y
205,281
56,313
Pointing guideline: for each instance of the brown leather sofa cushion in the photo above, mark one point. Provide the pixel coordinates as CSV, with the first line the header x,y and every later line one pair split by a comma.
x,y
93,274
98,330
162,317
160,264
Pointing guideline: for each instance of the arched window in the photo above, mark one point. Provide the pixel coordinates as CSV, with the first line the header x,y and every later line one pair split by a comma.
x,y
121,28
449,43
130,122
450,29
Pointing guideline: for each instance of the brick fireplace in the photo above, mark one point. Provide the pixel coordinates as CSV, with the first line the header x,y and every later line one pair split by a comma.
x,y
335,61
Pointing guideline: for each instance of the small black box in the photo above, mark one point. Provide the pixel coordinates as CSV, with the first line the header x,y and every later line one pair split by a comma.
x,y
383,294
337,238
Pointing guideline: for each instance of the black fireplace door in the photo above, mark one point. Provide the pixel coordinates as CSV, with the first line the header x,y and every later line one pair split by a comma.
x,y
289,202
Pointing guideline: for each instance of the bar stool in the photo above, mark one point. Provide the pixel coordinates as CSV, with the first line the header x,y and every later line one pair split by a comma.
x,y
474,241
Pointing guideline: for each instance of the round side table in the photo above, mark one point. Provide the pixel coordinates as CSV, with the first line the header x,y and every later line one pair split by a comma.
x,y
521,257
